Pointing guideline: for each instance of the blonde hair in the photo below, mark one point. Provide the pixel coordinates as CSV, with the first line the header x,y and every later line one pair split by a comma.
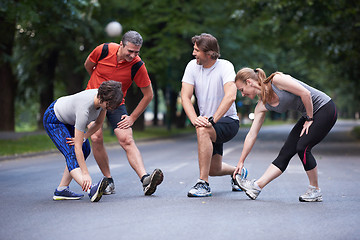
x,y
259,75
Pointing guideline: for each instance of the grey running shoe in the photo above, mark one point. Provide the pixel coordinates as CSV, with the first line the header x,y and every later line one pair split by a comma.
x,y
248,187
110,188
201,189
234,186
311,195
96,191
152,181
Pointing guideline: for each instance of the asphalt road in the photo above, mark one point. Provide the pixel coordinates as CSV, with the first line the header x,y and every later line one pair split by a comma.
x,y
28,211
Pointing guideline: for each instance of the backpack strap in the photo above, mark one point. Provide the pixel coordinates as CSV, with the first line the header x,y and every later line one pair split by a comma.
x,y
104,51
135,68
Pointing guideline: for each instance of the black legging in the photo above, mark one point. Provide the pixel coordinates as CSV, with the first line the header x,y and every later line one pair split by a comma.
x,y
324,120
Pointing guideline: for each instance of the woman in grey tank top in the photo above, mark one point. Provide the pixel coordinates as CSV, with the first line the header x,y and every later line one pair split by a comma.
x,y
280,92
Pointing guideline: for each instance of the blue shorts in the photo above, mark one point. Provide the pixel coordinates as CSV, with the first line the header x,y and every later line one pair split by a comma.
x,y
226,129
114,116
58,132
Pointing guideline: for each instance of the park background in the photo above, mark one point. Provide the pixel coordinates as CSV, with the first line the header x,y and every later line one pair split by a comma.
x,y
43,46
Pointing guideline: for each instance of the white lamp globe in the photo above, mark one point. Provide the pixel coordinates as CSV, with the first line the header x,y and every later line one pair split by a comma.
x,y
113,29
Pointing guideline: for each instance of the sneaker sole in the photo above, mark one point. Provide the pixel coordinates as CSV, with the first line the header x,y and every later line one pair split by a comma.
x,y
317,199
156,179
195,195
57,198
250,195
237,190
108,193
247,192
100,191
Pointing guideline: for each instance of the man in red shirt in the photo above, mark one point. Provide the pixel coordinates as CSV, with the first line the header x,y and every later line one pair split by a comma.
x,y
121,62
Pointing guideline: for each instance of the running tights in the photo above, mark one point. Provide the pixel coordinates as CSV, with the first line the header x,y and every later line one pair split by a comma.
x,y
58,132
324,120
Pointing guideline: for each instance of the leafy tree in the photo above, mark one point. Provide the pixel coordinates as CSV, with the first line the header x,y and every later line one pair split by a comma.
x,y
315,40
46,46
7,78
50,40
167,27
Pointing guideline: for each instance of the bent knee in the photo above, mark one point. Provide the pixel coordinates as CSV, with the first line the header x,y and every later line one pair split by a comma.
x,y
302,149
126,140
203,131
97,139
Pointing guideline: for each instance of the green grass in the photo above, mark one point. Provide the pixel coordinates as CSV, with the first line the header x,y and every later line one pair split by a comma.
x,y
356,132
41,142
26,144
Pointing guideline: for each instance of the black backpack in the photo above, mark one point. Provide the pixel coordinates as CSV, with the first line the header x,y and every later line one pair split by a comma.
x,y
134,68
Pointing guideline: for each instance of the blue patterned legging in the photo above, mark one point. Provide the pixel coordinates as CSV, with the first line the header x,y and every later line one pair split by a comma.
x,y
58,132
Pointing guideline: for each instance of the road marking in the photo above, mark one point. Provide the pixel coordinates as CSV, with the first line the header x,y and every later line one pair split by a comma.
x,y
297,169
228,150
177,167
95,169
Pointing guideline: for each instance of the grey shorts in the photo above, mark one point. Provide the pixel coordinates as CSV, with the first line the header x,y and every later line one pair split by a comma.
x,y
226,129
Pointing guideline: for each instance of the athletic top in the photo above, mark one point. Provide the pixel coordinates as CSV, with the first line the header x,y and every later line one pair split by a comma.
x,y
209,85
77,110
109,69
290,101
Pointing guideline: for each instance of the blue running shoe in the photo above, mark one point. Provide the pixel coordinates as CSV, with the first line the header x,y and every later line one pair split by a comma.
x,y
201,189
66,194
96,191
234,186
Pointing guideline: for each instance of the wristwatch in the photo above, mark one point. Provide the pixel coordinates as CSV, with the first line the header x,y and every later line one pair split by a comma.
x,y
308,119
211,120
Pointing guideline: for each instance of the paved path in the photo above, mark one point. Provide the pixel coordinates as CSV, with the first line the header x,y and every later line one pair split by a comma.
x,y
28,211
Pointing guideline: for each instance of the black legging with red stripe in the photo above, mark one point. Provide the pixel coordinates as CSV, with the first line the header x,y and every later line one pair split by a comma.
x,y
324,120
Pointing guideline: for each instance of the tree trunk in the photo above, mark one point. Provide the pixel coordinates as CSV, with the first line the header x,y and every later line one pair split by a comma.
x,y
74,83
8,80
47,75
156,100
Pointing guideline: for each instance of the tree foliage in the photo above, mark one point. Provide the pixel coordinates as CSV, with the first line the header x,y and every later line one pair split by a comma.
x,y
43,44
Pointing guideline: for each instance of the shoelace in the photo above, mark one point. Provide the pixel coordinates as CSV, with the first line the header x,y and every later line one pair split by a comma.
x,y
310,191
200,185
69,191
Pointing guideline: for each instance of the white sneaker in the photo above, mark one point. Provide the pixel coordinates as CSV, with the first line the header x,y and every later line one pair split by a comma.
x,y
248,186
234,186
311,195
201,189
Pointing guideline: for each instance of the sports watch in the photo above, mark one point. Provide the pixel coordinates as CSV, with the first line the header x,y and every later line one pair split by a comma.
x,y
211,120
308,119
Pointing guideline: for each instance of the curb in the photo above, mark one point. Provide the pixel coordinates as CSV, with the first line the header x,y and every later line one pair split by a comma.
x,y
112,144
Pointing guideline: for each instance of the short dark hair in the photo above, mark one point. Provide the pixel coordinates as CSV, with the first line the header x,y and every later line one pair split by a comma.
x,y
111,92
133,37
208,44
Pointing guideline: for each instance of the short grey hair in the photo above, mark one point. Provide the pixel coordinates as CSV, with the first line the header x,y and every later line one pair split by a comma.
x,y
133,37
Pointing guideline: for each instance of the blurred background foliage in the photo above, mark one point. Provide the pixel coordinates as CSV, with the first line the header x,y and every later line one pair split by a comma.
x,y
43,45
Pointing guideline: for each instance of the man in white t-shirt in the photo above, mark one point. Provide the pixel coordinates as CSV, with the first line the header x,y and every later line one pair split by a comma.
x,y
213,80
